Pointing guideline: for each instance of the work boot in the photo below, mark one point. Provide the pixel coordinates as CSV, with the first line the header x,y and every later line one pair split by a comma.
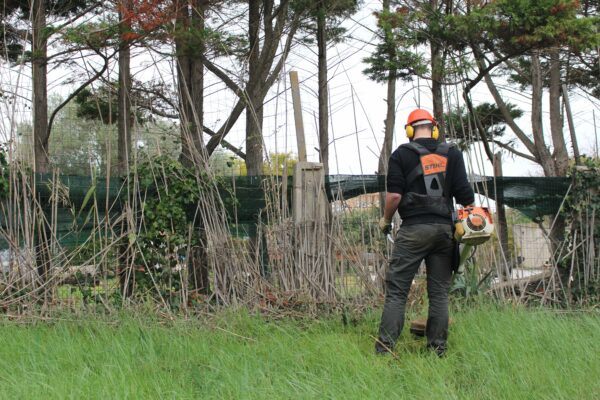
x,y
382,349
438,348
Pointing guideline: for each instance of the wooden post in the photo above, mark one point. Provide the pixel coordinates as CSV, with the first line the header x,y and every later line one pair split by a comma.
x,y
571,125
314,267
298,115
313,261
309,197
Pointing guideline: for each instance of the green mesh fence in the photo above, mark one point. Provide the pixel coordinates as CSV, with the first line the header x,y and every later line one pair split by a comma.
x,y
535,197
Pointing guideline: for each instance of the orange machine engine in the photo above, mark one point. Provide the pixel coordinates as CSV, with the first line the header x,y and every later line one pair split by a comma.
x,y
477,224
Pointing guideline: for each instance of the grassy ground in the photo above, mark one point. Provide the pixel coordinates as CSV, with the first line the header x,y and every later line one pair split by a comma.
x,y
495,353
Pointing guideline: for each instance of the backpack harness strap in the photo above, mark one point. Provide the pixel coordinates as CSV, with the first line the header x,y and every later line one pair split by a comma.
x,y
432,167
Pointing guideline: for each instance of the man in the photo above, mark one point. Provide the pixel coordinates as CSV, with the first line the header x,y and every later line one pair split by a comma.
x,y
423,177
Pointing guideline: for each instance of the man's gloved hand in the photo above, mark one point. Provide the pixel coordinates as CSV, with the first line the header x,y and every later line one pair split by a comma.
x,y
459,231
385,226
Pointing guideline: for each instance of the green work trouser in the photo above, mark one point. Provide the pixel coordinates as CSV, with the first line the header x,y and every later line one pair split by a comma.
x,y
413,244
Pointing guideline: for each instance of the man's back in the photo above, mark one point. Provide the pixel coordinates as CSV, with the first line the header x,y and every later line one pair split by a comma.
x,y
404,160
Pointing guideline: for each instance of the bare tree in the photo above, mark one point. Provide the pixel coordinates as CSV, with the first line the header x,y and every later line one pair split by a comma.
x,y
265,63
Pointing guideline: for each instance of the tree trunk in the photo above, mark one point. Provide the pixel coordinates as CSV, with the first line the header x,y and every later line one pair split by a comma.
x,y
323,92
502,225
40,132
389,124
561,156
544,156
390,116
551,165
254,113
125,264
40,93
262,77
190,73
124,108
437,76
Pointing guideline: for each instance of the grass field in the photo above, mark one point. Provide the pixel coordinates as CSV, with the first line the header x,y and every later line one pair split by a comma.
x,y
495,353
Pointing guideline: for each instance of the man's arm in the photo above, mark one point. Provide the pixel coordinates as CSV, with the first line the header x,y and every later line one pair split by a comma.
x,y
395,187
461,188
392,200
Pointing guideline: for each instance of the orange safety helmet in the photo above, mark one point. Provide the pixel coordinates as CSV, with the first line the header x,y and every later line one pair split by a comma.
x,y
420,115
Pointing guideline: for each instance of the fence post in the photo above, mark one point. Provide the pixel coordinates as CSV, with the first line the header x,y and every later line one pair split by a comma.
x,y
313,252
298,115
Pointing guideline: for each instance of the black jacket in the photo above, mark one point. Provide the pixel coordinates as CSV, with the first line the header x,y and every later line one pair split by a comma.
x,y
403,161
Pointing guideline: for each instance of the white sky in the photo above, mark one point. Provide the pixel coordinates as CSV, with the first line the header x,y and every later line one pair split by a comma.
x,y
358,104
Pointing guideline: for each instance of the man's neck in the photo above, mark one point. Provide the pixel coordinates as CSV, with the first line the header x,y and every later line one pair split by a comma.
x,y
422,137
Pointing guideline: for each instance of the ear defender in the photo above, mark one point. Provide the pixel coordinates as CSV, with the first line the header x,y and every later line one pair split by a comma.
x,y
410,132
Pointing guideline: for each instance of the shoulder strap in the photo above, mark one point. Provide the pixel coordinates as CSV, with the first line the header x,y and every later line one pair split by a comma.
x,y
418,170
443,149
417,148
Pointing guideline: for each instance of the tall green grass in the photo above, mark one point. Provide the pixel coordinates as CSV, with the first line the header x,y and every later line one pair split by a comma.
x,y
495,353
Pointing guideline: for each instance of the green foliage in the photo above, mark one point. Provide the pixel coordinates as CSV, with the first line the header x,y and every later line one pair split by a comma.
x,y
468,283
581,211
280,162
583,70
361,230
495,352
334,12
169,191
83,144
171,195
151,101
11,47
224,163
96,35
461,123
13,42
225,44
99,105
586,74
500,28
396,49
227,164
62,8
516,26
